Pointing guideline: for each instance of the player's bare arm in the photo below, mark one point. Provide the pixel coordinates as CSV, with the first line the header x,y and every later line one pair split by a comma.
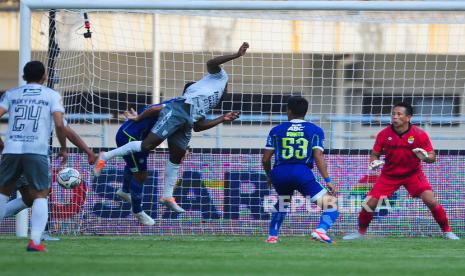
x,y
266,162
74,138
153,111
207,124
61,132
213,65
323,168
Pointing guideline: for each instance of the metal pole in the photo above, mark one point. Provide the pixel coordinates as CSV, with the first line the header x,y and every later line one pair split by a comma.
x,y
22,218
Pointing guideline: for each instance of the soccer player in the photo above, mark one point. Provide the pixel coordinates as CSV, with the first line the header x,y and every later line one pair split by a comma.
x,y
31,109
296,145
404,146
18,204
137,128
176,121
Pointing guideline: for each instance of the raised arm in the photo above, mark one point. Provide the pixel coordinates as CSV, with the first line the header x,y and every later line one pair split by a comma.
x,y
149,112
207,124
213,65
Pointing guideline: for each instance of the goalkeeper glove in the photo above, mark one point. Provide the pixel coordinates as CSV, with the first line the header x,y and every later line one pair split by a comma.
x,y
375,164
420,153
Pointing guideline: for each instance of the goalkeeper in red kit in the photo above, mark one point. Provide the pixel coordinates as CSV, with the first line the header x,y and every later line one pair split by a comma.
x,y
404,146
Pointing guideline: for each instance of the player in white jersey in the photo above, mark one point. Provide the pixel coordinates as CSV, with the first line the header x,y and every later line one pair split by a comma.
x,y
18,204
31,109
176,121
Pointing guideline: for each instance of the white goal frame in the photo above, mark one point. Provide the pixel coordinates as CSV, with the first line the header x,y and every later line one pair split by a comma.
x,y
27,6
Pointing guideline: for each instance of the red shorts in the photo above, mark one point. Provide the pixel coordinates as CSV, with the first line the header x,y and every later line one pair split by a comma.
x,y
386,186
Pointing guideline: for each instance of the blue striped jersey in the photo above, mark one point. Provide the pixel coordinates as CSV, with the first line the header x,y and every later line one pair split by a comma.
x,y
293,142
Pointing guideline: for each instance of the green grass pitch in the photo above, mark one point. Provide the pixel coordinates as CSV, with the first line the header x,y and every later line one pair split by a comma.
x,y
219,255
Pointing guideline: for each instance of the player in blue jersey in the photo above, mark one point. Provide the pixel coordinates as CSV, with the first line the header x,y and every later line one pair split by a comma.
x,y
177,119
296,145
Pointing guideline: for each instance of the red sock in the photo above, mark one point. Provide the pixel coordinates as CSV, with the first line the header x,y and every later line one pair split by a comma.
x,y
364,219
441,218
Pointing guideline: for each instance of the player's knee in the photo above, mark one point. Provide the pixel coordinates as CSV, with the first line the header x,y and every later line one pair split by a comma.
x,y
370,204
34,194
151,142
27,201
147,146
176,158
328,202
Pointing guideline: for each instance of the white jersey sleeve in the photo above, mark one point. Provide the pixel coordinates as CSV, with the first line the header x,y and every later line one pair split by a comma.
x,y
56,103
205,94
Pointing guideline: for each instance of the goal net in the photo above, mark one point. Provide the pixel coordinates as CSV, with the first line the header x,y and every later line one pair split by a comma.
x,y
352,66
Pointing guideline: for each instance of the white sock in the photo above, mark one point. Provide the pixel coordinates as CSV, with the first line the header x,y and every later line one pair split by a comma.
x,y
131,147
38,219
3,202
171,176
14,206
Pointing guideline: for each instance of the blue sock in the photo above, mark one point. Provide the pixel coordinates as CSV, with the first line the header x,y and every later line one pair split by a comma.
x,y
328,218
276,221
136,195
127,176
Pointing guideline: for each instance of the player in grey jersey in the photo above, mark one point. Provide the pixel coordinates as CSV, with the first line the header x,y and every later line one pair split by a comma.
x,y
176,121
18,204
31,109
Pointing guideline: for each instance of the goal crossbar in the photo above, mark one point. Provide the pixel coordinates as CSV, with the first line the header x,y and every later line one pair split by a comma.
x,y
250,5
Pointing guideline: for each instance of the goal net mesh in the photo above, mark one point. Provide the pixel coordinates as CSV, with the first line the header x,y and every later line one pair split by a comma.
x,y
351,66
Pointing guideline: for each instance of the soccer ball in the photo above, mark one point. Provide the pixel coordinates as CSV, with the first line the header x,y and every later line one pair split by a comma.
x,y
68,178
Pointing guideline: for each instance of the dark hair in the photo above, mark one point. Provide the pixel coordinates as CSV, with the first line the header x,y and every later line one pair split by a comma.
x,y
33,71
297,105
187,86
408,107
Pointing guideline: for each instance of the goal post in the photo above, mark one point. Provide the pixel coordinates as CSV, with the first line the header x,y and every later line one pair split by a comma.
x,y
351,59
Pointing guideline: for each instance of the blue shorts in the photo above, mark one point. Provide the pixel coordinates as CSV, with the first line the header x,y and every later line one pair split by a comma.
x,y
135,162
287,178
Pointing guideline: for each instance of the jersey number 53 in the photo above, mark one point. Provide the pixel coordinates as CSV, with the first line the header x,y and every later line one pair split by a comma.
x,y
294,148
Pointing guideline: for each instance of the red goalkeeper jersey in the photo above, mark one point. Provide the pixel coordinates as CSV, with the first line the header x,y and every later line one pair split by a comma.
x,y
399,159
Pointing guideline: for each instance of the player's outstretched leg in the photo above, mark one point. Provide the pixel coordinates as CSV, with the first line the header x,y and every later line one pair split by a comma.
x,y
99,164
131,147
277,219
365,216
38,222
15,206
171,176
439,214
327,219
136,202
364,219
124,192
